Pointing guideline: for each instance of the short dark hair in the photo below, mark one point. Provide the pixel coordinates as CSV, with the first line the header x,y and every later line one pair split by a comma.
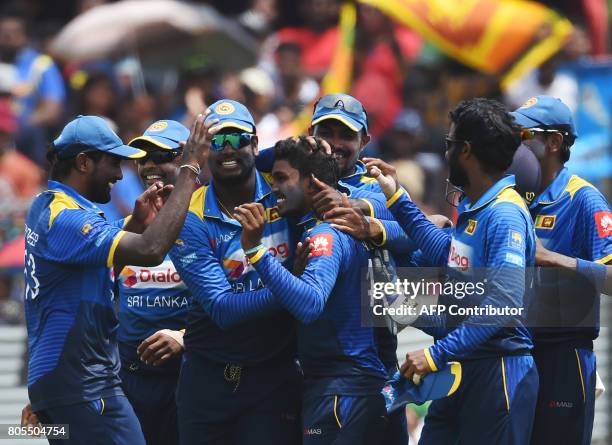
x,y
490,129
308,159
60,168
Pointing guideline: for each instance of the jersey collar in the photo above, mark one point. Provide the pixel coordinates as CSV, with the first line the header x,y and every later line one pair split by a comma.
x,y
555,189
308,221
360,170
494,191
84,203
212,209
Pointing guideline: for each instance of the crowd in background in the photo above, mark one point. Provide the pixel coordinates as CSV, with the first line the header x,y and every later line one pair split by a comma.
x,y
404,82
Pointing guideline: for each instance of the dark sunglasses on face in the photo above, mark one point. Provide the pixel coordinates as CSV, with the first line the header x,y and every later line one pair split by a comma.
x,y
160,157
235,140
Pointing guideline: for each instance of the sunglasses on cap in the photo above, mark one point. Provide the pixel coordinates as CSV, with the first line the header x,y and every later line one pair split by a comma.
x,y
346,103
235,140
160,157
530,133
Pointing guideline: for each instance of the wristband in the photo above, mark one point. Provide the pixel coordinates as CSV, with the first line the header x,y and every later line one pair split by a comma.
x,y
595,272
196,169
254,250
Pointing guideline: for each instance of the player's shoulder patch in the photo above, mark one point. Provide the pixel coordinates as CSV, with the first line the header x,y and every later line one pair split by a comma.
x,y
196,205
322,244
603,220
577,183
59,203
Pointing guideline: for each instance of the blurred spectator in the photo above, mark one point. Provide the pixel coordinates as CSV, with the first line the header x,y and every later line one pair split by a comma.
x,y
39,92
294,89
259,17
21,175
98,97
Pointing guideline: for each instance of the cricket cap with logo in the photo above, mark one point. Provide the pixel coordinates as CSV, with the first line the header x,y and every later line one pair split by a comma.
x,y
343,108
545,112
164,134
231,114
92,133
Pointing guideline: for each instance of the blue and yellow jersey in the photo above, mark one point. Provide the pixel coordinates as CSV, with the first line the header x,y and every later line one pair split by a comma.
x,y
150,299
71,323
573,218
360,180
494,235
337,354
209,258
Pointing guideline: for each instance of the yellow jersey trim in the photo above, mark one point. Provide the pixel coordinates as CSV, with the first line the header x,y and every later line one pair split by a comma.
x,y
384,233
61,202
510,195
336,411
430,360
196,205
581,378
370,206
605,260
576,183
455,370
400,191
503,369
111,253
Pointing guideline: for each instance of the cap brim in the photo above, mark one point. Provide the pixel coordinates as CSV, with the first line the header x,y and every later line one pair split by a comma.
x,y
125,151
351,123
234,124
524,121
144,142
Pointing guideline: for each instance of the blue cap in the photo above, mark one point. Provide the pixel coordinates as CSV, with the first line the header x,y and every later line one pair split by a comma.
x,y
92,133
162,134
343,108
232,114
545,112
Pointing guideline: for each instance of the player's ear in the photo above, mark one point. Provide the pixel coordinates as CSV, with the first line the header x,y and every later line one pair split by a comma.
x,y
554,142
82,163
365,139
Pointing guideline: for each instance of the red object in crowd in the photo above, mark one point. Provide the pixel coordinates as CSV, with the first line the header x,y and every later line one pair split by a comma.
x,y
11,254
596,14
8,121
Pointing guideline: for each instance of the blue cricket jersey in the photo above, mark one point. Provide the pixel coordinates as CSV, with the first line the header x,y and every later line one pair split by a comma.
x,y
496,233
72,327
222,326
572,218
150,299
337,354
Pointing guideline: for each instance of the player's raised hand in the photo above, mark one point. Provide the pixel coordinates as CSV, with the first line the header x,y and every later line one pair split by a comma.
x,y
147,206
326,198
416,363
384,173
252,218
197,147
302,255
161,347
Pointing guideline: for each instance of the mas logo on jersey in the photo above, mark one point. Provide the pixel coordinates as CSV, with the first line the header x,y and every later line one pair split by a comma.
x,y
322,244
471,227
604,223
546,222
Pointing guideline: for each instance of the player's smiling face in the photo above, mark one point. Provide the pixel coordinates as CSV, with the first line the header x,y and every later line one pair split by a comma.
x,y
230,165
150,172
345,143
107,171
290,189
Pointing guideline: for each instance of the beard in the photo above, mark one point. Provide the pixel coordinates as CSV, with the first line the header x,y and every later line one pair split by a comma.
x,y
456,174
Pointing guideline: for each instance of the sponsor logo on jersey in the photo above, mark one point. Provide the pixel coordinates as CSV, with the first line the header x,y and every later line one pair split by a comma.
x,y
459,255
162,276
322,244
237,264
546,222
604,223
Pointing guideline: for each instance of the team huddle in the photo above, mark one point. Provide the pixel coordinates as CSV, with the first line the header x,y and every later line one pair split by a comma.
x,y
231,313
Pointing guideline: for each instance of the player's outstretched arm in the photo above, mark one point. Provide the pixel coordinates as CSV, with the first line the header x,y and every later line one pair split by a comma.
x,y
150,247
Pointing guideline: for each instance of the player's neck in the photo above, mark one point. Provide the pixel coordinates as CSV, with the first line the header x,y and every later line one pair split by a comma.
x,y
234,194
77,185
550,171
479,184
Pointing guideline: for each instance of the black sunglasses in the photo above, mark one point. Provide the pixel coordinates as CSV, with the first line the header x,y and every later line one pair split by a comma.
x,y
449,142
160,157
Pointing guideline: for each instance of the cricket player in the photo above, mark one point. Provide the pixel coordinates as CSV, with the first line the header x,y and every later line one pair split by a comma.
x,y
153,305
73,369
495,402
239,381
572,218
343,373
